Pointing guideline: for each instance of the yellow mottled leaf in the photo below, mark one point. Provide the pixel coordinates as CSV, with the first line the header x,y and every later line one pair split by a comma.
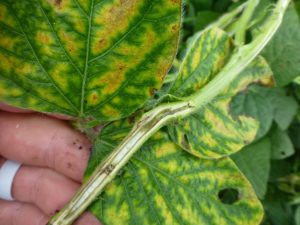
x,y
81,57
213,132
164,185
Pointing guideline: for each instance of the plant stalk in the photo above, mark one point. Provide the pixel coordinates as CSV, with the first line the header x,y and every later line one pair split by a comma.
x,y
228,18
243,22
153,120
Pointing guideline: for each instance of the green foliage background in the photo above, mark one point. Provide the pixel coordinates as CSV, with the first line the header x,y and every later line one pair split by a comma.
x,y
272,161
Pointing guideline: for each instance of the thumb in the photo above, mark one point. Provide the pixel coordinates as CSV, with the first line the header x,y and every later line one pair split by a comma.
x,y
8,108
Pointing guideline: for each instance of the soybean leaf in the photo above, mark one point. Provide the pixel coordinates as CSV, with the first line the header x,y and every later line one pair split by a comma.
x,y
205,58
254,103
282,146
294,134
266,105
277,209
88,59
164,185
202,4
254,163
284,107
279,168
203,18
297,216
282,53
213,132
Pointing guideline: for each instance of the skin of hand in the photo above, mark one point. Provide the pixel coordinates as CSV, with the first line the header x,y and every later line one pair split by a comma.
x,y
53,157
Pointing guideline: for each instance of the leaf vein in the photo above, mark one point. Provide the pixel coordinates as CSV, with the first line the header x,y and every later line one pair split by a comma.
x,y
59,91
59,41
123,37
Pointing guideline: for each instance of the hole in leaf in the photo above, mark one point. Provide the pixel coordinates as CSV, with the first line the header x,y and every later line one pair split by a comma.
x,y
229,196
152,92
282,153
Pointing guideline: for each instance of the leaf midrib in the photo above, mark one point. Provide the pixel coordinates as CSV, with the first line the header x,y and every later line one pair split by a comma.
x,y
83,87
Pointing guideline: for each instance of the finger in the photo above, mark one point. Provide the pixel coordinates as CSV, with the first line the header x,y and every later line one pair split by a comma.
x,y
42,141
43,187
60,116
47,190
2,160
9,108
87,219
16,213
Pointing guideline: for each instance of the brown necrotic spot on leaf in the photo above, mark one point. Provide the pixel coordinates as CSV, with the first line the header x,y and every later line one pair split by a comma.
x,y
176,2
112,20
101,43
175,28
112,81
58,3
121,67
133,117
152,91
94,97
68,40
43,37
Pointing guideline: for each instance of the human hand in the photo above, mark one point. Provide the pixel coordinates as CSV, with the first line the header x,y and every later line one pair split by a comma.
x,y
53,158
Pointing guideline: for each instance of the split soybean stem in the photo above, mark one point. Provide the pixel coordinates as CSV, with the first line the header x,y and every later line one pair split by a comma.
x,y
243,22
153,120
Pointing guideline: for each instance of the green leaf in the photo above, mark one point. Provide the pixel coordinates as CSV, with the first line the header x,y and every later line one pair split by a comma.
x,y
254,103
164,185
204,18
295,134
213,131
297,216
202,4
285,107
266,105
282,146
279,168
277,210
89,59
254,162
282,53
